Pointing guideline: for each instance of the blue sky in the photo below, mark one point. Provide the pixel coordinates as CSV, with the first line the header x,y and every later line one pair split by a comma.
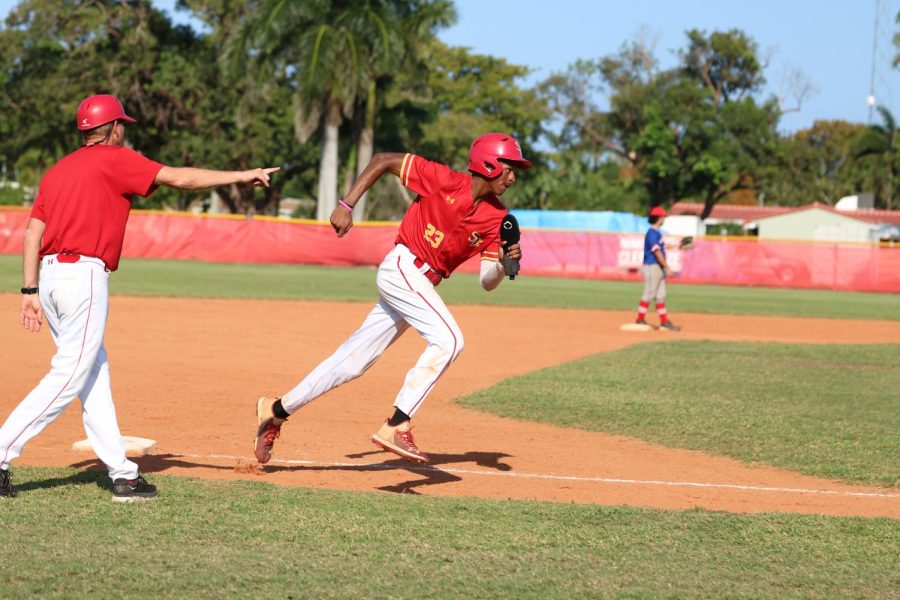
x,y
829,41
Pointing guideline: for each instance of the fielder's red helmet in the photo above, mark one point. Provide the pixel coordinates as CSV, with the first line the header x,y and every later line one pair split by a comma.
x,y
487,149
98,110
657,211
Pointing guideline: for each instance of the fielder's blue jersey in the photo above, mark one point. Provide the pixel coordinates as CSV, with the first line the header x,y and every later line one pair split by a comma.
x,y
653,241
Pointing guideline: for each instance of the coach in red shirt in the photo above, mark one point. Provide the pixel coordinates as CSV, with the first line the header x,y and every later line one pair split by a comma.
x,y
72,243
455,216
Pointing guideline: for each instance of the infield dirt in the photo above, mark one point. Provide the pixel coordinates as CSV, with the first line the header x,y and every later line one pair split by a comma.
x,y
187,373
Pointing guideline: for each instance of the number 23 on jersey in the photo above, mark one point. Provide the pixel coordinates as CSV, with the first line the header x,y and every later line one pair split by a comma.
x,y
433,235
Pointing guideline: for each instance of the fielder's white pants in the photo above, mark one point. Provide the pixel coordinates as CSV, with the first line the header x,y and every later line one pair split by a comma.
x,y
654,283
75,300
408,299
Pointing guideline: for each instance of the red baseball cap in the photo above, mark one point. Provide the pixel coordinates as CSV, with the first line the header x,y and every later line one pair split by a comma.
x,y
657,211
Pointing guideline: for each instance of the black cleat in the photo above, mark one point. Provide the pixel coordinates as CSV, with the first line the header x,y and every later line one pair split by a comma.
x,y
6,487
133,490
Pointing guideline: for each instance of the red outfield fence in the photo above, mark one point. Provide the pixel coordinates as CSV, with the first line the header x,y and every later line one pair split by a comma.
x,y
592,255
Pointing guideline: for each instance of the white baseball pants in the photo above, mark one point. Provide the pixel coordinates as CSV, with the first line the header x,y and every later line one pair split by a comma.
x,y
75,300
654,283
408,299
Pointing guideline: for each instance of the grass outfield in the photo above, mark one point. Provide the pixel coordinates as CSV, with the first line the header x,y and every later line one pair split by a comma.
x,y
64,538
140,277
828,410
821,409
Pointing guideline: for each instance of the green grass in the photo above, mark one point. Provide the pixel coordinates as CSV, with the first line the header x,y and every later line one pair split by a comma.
x,y
140,277
827,410
831,411
63,538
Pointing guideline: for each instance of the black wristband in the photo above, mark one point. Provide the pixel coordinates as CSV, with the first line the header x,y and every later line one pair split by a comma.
x,y
29,291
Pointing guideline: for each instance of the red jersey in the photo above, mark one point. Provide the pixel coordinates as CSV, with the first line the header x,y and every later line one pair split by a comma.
x,y
84,201
443,226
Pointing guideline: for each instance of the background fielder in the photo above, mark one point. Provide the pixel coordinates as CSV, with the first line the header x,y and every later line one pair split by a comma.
x,y
655,271
455,216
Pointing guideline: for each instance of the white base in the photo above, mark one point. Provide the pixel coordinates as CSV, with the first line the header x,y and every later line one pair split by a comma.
x,y
133,445
636,327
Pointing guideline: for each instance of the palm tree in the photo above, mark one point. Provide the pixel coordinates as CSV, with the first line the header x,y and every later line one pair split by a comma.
x,y
880,143
333,48
377,21
339,53
414,23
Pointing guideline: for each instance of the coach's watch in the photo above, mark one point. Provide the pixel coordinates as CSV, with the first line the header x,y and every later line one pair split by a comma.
x,y
29,291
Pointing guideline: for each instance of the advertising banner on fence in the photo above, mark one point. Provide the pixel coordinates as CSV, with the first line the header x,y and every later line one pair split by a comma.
x,y
631,253
580,254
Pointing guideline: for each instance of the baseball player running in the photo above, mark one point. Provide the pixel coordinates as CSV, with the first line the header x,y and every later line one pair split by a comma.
x,y
75,234
655,271
454,217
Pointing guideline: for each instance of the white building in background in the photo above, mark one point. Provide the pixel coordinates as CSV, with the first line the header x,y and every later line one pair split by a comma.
x,y
811,222
684,225
817,222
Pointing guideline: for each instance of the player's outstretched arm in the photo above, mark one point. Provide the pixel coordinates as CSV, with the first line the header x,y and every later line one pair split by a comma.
x,y
191,178
381,163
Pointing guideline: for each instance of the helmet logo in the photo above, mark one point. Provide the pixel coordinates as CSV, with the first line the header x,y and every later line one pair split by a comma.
x,y
84,121
518,147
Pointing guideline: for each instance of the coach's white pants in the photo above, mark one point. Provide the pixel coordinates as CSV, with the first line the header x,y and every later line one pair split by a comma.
x,y
408,299
75,300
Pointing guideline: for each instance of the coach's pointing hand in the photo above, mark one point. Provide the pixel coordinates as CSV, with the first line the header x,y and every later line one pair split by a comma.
x,y
259,177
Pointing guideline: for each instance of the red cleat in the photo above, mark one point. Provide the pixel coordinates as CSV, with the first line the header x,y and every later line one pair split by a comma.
x,y
268,428
399,440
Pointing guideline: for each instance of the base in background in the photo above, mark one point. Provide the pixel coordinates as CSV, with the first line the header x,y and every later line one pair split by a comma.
x,y
637,327
135,446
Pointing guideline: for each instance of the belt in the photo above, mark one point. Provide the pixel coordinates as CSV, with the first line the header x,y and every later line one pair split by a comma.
x,y
426,270
69,257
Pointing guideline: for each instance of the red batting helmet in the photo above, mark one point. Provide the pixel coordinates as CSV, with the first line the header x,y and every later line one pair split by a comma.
x,y
657,211
98,110
487,149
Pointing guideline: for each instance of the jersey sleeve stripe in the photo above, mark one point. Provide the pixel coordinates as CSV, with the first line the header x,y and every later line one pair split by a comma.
x,y
405,167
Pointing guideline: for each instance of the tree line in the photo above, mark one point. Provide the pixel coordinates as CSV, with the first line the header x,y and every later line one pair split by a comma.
x,y
317,86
